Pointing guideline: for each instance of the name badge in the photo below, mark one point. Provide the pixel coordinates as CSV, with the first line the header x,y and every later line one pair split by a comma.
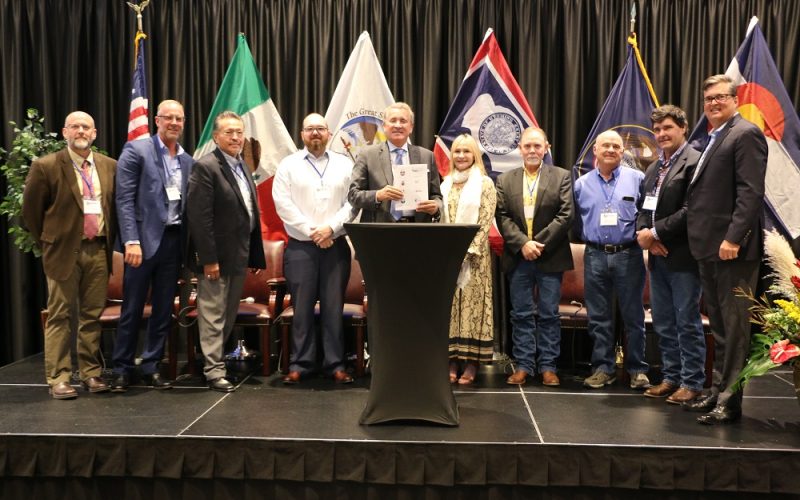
x,y
323,193
650,202
173,193
92,207
529,211
608,218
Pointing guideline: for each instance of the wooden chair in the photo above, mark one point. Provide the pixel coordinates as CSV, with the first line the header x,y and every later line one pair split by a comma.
x,y
354,315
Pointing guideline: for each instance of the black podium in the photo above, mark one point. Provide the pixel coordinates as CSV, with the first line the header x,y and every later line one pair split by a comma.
x,y
410,271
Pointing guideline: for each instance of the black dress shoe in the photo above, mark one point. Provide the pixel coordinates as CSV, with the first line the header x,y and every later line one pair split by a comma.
x,y
120,382
720,415
701,404
221,385
157,381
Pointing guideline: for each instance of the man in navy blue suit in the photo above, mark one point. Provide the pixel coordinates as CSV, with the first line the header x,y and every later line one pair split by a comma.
x,y
151,192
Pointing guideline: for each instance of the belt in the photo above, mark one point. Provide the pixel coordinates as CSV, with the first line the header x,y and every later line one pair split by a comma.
x,y
172,227
407,218
611,248
96,239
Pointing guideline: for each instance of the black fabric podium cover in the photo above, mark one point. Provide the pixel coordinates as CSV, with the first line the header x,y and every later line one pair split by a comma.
x,y
410,271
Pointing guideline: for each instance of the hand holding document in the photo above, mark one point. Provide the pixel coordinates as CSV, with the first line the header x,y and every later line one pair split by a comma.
x,y
413,181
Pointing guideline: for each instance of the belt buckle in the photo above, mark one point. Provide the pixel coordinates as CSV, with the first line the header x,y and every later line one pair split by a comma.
x,y
610,248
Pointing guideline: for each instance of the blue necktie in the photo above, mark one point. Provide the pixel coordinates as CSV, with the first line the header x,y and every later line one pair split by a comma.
x,y
711,140
398,160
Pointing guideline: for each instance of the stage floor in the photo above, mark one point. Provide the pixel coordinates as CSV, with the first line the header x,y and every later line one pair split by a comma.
x,y
531,417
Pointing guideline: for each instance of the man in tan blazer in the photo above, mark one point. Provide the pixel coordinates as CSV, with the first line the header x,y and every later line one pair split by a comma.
x,y
68,206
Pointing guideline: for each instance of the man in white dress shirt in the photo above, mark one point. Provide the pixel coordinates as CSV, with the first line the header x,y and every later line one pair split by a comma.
x,y
310,193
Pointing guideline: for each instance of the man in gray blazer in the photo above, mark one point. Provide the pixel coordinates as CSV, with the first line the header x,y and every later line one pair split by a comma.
x,y
725,202
224,240
535,208
371,189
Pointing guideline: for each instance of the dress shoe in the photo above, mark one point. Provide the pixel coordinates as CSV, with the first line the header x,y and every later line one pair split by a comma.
x,y
292,377
341,377
517,378
221,384
550,379
682,395
120,382
721,414
157,381
95,384
661,390
63,390
701,404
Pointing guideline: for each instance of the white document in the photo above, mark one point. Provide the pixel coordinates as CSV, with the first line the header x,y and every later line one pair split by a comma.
x,y
413,181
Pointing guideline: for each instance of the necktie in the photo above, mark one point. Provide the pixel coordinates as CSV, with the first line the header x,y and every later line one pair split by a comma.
x,y
398,160
711,140
90,222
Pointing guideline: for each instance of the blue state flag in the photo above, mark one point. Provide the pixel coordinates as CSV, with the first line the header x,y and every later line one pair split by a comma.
x,y
627,111
763,100
489,106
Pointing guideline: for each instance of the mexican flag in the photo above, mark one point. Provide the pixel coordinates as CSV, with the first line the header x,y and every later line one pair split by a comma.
x,y
267,140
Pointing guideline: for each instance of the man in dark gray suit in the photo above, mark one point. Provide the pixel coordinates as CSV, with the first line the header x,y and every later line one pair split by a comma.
x,y
224,240
674,279
534,213
371,189
725,201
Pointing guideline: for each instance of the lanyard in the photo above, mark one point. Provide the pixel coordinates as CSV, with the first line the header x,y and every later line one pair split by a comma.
x,y
603,183
88,182
532,187
165,164
321,175
238,171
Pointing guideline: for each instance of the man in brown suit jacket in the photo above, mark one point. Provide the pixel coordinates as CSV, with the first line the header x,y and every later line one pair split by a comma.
x,y
68,206
534,212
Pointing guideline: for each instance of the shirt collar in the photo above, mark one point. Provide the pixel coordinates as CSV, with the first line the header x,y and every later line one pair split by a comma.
x,y
232,162
165,150
614,173
78,159
676,154
310,156
394,148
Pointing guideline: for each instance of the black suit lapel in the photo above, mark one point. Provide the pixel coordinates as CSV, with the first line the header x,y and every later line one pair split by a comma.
x,y
229,176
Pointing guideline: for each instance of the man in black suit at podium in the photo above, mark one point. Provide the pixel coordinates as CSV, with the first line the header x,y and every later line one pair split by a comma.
x,y
371,188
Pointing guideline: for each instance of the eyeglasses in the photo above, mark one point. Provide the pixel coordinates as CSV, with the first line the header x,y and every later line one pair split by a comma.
x,y
172,118
233,132
720,98
76,126
319,130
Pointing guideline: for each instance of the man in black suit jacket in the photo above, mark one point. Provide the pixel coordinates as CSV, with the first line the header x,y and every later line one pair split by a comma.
x,y
371,189
674,278
726,198
224,240
534,212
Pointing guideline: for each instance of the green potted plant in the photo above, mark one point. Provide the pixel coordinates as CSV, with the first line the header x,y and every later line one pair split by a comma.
x,y
30,142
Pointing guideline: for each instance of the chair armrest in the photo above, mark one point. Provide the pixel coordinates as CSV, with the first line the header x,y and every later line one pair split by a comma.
x,y
364,286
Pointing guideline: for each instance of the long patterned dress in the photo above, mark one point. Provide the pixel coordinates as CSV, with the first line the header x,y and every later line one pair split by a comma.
x,y
471,318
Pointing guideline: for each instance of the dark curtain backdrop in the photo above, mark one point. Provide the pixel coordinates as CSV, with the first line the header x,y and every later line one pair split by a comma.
x,y
63,55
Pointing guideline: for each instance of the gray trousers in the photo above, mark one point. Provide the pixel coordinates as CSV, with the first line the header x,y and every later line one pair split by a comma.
x,y
217,306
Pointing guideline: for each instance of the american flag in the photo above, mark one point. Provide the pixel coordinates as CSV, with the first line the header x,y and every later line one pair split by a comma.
x,y
138,127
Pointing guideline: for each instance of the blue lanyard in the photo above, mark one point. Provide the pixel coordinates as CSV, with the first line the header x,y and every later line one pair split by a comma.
x,y
236,171
532,188
603,188
321,175
165,164
89,184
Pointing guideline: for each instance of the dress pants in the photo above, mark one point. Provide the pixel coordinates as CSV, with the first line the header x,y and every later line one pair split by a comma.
x,y
217,306
312,274
86,285
729,316
159,276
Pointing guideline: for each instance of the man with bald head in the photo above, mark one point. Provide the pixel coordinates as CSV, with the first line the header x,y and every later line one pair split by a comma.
x,y
68,207
310,193
151,193
606,200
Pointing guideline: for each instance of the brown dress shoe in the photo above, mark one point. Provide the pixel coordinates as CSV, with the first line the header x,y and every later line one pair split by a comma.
x,y
292,378
550,379
95,384
63,390
517,378
661,390
342,377
682,395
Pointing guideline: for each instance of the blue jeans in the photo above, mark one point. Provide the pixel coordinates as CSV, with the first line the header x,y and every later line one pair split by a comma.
x,y
535,342
622,272
675,297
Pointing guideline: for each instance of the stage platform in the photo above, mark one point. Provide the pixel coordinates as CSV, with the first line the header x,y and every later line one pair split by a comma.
x,y
267,440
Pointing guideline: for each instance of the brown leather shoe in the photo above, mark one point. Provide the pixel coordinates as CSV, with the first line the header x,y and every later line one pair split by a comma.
x,y
682,395
661,390
63,390
292,378
95,384
517,378
550,379
342,377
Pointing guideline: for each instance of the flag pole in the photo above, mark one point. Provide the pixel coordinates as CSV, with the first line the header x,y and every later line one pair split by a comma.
x,y
632,41
140,35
